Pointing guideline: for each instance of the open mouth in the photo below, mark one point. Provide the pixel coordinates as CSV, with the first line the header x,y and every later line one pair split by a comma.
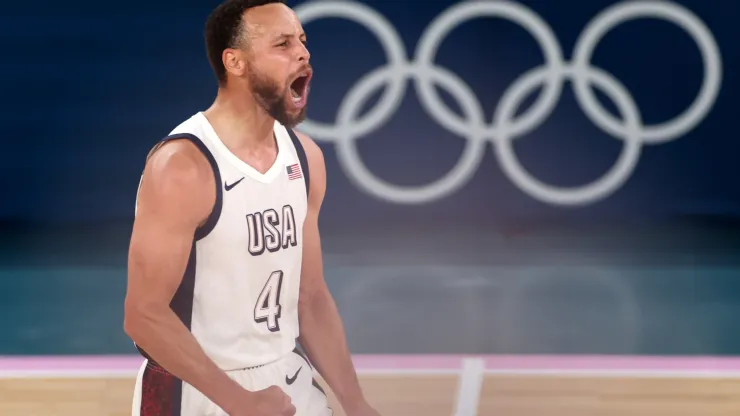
x,y
299,89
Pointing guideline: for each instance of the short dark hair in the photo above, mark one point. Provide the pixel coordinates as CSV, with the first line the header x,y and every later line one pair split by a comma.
x,y
223,30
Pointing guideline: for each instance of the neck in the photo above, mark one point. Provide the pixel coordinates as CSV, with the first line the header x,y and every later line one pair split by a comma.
x,y
238,120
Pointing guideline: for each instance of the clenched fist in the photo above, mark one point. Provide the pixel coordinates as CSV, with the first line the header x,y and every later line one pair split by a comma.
x,y
271,401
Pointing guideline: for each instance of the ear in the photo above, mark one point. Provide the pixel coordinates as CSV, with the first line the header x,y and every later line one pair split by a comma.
x,y
235,62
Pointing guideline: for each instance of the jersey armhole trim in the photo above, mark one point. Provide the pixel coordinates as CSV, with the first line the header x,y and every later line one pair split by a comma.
x,y
205,229
302,158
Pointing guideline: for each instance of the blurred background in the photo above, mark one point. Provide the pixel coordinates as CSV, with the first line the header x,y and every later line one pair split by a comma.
x,y
549,177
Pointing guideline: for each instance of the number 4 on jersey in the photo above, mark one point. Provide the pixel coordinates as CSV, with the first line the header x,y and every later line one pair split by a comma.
x,y
268,306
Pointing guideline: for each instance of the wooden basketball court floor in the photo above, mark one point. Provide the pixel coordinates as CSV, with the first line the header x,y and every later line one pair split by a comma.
x,y
424,385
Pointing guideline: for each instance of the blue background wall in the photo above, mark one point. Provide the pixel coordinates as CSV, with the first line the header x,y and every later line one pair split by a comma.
x,y
648,268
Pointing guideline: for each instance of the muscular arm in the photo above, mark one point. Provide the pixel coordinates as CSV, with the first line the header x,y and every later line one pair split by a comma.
x,y
322,332
177,194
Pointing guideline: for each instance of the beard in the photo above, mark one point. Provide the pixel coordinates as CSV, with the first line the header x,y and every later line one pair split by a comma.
x,y
272,98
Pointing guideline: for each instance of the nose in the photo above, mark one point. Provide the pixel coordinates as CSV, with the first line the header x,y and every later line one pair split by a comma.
x,y
303,54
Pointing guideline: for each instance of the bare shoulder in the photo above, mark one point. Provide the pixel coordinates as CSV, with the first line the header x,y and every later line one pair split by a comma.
x,y
177,179
313,152
316,166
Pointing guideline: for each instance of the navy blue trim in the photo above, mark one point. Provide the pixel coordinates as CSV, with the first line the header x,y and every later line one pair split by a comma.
x,y
182,301
177,397
318,386
302,355
210,223
299,351
302,159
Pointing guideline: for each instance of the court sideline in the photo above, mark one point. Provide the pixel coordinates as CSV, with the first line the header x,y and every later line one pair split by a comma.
x,y
424,385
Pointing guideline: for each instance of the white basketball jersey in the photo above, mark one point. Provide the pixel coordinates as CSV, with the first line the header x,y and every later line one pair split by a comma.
x,y
239,295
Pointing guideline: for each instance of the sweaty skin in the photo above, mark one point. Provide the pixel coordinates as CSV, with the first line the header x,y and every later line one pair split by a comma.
x,y
322,332
177,194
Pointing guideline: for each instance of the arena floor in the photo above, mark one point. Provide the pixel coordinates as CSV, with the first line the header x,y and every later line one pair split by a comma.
x,y
424,385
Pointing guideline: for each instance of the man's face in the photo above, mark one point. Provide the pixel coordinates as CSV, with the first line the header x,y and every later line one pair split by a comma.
x,y
278,67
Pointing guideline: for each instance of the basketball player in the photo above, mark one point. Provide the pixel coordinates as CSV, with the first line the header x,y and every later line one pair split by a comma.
x,y
225,255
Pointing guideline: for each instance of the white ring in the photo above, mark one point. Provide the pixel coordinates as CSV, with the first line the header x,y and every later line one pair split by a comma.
x,y
671,12
458,14
584,194
394,52
505,127
465,168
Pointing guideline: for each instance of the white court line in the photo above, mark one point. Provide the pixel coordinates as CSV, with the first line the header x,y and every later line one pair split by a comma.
x,y
670,374
408,372
471,382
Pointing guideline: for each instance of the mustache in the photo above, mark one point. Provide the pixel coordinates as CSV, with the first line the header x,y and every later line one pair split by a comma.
x,y
306,69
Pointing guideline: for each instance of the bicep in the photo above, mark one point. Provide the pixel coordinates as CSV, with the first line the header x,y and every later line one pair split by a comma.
x,y
170,207
312,269
312,278
158,255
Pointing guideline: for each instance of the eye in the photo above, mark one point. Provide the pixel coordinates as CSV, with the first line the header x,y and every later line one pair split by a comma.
x,y
282,44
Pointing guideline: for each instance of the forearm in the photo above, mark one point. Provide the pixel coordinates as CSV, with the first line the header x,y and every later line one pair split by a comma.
x,y
163,336
324,340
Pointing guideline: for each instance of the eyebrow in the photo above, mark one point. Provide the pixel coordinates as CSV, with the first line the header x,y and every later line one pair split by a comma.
x,y
290,35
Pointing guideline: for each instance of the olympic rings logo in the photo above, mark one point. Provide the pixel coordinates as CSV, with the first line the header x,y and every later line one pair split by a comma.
x,y
505,126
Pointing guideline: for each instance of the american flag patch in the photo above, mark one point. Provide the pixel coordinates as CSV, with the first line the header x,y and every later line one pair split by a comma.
x,y
294,171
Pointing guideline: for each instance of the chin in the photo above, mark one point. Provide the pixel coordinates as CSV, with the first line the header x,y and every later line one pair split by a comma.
x,y
290,118
294,120
292,114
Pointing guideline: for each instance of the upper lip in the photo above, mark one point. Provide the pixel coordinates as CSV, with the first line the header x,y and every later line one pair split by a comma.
x,y
305,73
